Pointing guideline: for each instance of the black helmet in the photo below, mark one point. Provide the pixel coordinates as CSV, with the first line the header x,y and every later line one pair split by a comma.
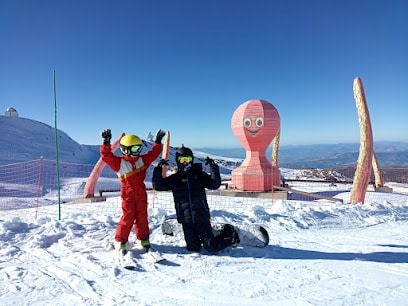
x,y
184,152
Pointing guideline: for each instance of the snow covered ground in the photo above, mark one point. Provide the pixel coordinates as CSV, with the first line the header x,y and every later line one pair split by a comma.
x,y
320,253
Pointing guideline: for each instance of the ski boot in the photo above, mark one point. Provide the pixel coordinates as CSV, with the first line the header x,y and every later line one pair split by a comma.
x,y
145,243
121,248
230,231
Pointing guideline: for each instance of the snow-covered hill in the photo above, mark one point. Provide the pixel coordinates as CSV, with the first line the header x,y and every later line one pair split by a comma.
x,y
24,139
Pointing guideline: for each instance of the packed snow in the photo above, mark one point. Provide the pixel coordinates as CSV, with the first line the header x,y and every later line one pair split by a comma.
x,y
320,253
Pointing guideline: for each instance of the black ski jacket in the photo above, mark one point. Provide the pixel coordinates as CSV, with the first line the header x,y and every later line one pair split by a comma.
x,y
188,189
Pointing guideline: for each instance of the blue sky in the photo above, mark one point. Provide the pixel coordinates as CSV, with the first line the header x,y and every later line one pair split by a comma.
x,y
185,66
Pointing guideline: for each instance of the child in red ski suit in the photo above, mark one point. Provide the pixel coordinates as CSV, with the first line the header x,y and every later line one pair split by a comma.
x,y
131,169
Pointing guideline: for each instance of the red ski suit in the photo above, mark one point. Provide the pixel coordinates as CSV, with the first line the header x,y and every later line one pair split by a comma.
x,y
132,173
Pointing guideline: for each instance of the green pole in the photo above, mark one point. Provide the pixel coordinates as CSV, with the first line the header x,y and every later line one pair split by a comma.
x,y
56,150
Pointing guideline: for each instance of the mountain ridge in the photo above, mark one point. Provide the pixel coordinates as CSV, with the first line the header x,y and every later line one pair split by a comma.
x,y
26,139
389,153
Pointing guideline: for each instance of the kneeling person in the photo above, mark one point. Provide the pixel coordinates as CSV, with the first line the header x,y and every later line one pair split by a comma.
x,y
188,186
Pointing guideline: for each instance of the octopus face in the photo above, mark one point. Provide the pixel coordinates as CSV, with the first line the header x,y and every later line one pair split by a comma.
x,y
253,124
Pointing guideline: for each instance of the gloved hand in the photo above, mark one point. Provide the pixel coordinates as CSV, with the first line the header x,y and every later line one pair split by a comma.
x,y
106,135
163,162
159,136
210,162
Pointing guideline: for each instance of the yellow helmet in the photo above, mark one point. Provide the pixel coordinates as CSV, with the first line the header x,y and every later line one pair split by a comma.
x,y
130,145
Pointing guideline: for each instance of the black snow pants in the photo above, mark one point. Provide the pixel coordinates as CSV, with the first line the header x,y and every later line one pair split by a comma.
x,y
197,234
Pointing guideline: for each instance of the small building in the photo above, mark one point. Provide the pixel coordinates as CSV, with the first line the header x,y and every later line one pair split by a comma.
x,y
11,112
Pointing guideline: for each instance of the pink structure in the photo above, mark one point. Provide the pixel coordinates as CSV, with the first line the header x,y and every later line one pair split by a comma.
x,y
255,123
89,190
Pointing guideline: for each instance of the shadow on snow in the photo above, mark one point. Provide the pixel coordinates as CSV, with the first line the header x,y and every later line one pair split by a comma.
x,y
278,252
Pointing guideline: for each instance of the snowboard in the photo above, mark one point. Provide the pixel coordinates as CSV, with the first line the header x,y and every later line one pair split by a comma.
x,y
253,235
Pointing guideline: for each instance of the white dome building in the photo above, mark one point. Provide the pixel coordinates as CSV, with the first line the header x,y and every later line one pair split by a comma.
x,y
11,112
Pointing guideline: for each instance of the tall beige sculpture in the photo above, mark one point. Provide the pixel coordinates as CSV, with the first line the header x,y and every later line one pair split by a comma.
x,y
378,180
364,162
275,150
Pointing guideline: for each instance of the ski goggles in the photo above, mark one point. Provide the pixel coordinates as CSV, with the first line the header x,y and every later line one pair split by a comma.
x,y
132,150
185,159
135,149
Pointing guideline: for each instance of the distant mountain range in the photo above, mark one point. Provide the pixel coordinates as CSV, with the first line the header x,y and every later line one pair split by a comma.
x,y
389,153
24,139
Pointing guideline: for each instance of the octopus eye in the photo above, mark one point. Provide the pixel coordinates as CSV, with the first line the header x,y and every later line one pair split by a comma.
x,y
247,122
259,121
